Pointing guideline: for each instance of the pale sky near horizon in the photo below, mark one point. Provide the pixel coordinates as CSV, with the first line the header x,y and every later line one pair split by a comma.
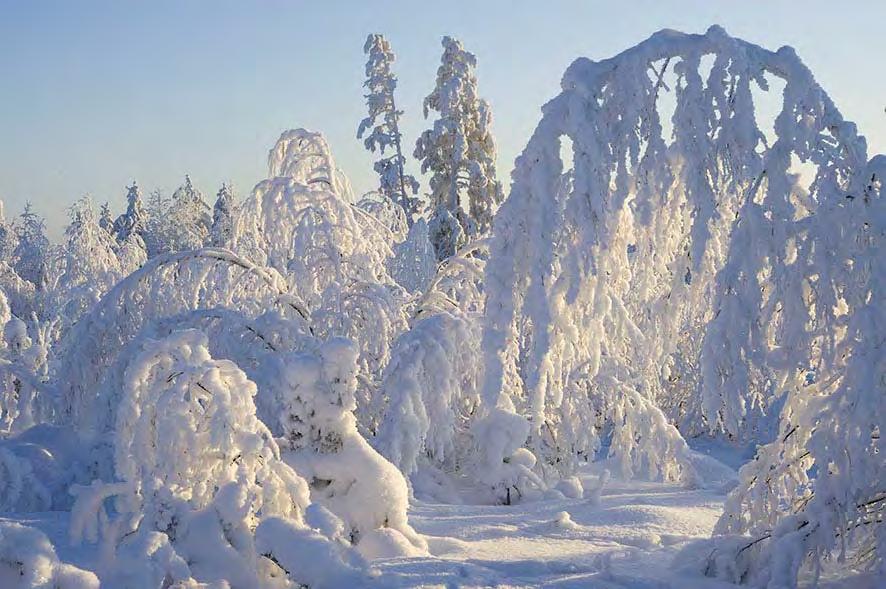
x,y
95,94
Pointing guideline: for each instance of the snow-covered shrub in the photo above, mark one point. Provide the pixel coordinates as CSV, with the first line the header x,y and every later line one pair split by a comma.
x,y
187,426
20,489
28,561
197,473
429,392
166,286
25,397
346,475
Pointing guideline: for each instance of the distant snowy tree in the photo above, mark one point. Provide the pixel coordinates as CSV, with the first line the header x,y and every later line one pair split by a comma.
x,y
459,153
105,220
159,236
189,217
84,267
8,237
384,122
32,247
221,233
135,219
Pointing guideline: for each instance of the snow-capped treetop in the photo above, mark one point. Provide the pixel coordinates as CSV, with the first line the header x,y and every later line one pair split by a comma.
x,y
135,219
305,156
221,233
459,152
385,133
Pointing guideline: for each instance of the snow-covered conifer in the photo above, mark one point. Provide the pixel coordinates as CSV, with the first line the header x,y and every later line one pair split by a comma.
x,y
221,233
189,217
384,122
135,219
459,153
105,220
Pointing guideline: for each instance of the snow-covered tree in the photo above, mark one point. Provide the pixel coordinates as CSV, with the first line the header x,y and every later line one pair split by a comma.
x,y
305,156
459,153
8,237
189,217
384,123
333,255
221,232
32,247
105,220
82,269
347,476
135,219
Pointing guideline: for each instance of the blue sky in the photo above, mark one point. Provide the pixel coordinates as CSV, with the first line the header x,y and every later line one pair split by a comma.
x,y
94,94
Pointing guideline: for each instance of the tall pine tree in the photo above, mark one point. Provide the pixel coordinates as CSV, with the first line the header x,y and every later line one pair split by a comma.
x,y
459,152
384,122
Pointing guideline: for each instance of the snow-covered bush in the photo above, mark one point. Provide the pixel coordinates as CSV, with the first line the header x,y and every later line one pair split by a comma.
x,y
197,473
346,475
28,561
166,286
429,392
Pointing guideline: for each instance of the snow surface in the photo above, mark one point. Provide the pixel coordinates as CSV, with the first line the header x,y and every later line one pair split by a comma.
x,y
635,535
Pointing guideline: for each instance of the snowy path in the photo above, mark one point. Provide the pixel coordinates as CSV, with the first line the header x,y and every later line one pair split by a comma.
x,y
627,540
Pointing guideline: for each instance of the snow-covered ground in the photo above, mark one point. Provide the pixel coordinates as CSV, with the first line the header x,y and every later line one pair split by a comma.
x,y
628,539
